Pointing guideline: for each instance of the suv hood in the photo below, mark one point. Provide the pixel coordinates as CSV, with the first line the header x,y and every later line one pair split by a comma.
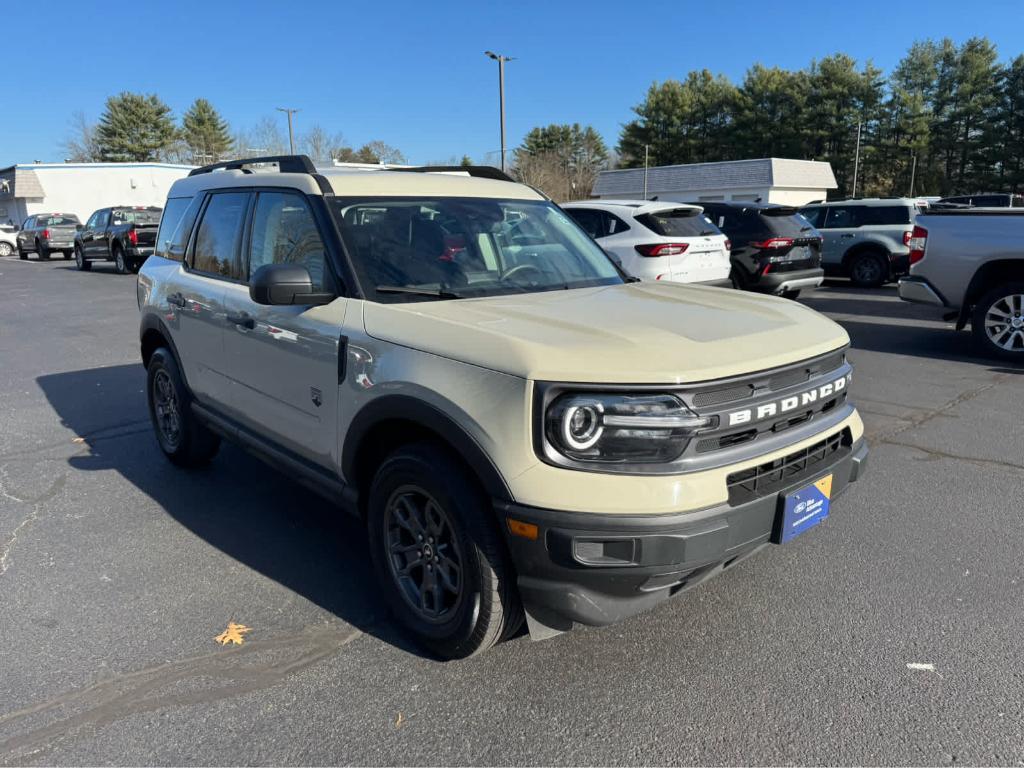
x,y
635,333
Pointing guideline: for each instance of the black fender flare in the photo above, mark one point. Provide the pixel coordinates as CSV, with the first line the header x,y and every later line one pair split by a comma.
x,y
406,408
151,322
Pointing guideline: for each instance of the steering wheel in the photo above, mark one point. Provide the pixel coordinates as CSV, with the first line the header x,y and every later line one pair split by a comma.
x,y
520,269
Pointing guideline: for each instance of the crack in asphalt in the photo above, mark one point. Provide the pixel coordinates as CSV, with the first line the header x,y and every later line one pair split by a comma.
x,y
158,687
913,422
946,455
37,507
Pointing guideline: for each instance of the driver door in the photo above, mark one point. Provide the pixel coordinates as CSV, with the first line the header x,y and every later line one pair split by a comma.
x,y
282,361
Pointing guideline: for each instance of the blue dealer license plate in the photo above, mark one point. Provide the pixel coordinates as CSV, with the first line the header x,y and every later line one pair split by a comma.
x,y
803,509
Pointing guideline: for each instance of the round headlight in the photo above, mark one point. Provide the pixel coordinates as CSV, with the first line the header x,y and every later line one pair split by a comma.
x,y
581,425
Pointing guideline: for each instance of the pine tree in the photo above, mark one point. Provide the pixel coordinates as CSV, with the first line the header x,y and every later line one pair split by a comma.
x,y
135,127
205,133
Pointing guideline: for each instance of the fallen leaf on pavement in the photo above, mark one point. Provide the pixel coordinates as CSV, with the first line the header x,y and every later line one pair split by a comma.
x,y
233,634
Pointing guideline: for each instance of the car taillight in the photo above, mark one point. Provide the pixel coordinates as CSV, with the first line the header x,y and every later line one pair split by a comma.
x,y
46,234
906,237
662,249
728,245
774,242
133,236
917,241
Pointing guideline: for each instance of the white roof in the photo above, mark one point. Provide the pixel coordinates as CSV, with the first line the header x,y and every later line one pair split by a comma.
x,y
766,172
632,207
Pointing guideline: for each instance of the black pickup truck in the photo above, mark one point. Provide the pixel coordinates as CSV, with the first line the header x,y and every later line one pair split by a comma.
x,y
122,234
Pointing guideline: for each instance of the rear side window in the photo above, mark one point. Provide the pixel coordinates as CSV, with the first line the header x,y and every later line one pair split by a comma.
x,y
175,227
813,215
597,223
840,217
132,216
285,232
216,248
681,222
884,214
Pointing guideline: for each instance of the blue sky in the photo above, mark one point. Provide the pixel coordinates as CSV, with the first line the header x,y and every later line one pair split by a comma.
x,y
414,75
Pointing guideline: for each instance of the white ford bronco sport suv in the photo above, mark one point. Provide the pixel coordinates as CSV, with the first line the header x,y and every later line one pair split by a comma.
x,y
525,430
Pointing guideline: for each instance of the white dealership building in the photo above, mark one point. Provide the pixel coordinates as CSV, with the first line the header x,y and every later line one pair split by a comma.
x,y
768,180
81,188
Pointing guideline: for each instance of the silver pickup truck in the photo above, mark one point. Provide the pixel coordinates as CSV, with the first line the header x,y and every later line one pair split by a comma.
x,y
970,263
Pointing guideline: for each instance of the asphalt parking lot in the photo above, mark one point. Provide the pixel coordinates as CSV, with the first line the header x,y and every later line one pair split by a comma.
x,y
118,570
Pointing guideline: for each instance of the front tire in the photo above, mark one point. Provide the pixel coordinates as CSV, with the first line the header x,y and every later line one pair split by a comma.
x,y
437,554
22,254
80,261
120,263
998,322
183,439
869,270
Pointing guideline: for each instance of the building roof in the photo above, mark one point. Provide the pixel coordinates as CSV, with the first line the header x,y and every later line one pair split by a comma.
x,y
766,172
20,181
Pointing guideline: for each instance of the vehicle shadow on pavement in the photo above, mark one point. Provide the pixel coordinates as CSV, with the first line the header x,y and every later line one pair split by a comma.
x,y
257,516
935,343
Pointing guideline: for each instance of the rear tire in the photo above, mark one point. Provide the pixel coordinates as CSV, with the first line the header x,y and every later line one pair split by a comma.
x,y
42,251
184,440
998,322
120,263
5,249
67,255
791,294
80,261
869,269
437,554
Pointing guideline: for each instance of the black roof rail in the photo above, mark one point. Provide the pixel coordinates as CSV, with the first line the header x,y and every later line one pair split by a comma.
x,y
476,171
285,164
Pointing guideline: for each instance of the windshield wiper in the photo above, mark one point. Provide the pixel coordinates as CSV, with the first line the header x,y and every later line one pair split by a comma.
x,y
437,293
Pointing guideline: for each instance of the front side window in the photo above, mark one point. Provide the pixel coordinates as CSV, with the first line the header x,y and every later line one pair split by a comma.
x,y
102,218
92,222
217,240
285,232
405,249
840,217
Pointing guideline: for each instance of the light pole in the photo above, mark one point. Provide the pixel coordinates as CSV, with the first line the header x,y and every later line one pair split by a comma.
x,y
291,136
501,96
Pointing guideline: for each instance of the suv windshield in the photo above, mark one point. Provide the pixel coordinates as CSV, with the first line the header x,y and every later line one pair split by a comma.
x,y
407,249
678,222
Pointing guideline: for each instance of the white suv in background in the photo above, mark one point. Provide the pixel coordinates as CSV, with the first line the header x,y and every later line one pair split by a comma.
x,y
657,240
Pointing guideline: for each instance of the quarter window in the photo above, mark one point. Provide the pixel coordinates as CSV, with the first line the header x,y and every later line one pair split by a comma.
x,y
175,227
285,232
217,240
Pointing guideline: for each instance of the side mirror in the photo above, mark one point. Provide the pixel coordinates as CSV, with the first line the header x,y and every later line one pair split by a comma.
x,y
281,284
79,227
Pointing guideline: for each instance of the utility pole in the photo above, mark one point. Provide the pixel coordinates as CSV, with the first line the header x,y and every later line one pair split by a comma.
x,y
291,135
647,155
856,161
501,96
913,173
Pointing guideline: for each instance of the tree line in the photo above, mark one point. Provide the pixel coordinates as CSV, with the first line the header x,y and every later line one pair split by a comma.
x,y
137,127
948,117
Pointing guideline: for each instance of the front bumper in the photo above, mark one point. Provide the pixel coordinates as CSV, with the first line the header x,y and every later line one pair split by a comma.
x,y
920,291
600,569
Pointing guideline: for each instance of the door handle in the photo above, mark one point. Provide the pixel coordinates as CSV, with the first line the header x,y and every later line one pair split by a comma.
x,y
243,319
848,234
176,299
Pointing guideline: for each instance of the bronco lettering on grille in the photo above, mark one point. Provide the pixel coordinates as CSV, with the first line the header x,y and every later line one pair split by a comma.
x,y
808,398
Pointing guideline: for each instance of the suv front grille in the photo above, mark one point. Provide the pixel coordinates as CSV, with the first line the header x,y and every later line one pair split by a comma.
x,y
773,476
778,381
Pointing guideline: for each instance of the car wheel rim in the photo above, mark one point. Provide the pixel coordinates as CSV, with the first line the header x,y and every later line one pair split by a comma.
x,y
120,262
866,270
1004,323
5,249
78,258
423,554
165,406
